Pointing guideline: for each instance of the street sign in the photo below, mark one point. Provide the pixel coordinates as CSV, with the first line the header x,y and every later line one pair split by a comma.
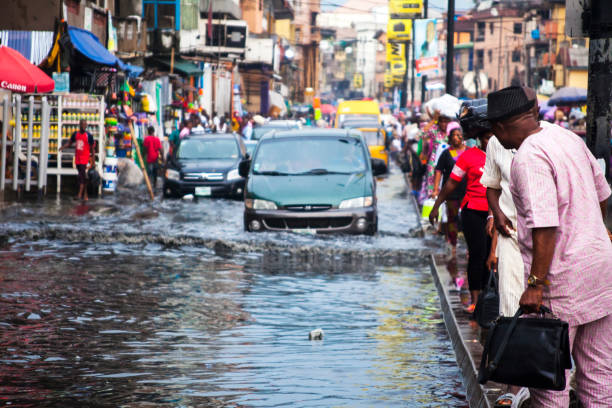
x,y
358,80
399,30
396,51
405,8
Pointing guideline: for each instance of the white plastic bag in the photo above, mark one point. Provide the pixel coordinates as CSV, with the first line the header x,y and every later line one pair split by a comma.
x,y
447,105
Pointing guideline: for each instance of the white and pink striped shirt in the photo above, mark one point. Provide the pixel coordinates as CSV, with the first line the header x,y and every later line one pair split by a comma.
x,y
556,182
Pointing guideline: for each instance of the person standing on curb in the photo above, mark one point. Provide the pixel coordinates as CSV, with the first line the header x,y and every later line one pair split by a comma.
x,y
505,254
561,194
474,207
84,154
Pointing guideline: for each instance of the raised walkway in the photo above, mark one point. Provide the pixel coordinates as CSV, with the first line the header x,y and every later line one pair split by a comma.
x,y
465,335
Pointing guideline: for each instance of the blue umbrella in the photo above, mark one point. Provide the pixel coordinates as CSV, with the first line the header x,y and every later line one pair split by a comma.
x,y
568,96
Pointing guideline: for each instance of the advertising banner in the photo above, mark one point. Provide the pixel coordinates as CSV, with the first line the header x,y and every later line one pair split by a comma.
x,y
405,8
396,51
399,30
426,46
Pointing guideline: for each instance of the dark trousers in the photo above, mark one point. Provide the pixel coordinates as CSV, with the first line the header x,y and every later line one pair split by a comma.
x,y
152,172
479,244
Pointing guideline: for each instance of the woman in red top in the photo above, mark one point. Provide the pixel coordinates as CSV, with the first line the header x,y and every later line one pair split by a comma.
x,y
474,207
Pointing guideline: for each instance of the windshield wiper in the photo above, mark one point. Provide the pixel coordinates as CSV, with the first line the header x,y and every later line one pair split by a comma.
x,y
271,173
323,171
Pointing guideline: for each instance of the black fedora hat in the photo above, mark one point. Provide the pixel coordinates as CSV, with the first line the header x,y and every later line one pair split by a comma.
x,y
508,102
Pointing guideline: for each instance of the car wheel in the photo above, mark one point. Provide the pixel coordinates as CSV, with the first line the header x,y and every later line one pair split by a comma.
x,y
168,193
372,229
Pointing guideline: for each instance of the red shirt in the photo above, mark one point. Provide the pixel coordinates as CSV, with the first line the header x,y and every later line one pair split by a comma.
x,y
153,146
84,143
471,165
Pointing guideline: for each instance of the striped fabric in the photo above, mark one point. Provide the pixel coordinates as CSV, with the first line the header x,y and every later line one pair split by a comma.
x,y
556,182
591,346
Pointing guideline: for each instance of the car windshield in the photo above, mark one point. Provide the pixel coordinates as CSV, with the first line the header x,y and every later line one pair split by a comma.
x,y
303,155
208,149
362,117
260,131
373,137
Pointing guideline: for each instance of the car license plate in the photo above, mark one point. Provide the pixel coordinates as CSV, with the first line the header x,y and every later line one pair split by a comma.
x,y
203,191
305,231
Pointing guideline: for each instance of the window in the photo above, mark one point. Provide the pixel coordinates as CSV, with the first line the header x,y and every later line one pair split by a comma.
x,y
166,15
160,14
149,15
481,32
516,56
491,28
490,56
518,28
479,59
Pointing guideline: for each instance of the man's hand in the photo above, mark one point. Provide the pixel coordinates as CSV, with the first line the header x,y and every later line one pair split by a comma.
x,y
531,300
503,224
492,262
433,215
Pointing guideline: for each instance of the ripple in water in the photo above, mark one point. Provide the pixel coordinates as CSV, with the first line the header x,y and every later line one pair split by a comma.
x,y
113,325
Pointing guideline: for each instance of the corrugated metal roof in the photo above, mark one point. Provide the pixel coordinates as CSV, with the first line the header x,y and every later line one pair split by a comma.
x,y
34,45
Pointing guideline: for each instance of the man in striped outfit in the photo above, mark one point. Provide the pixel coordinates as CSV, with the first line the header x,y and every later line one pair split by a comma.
x,y
560,194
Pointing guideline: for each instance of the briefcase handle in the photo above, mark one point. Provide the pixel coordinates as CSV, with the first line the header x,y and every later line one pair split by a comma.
x,y
487,370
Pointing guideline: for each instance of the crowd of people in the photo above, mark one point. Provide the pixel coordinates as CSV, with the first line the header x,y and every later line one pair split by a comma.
x,y
531,202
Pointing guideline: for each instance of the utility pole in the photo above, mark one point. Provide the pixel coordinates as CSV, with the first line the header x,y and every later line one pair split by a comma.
x,y
598,98
450,47
404,95
412,66
424,77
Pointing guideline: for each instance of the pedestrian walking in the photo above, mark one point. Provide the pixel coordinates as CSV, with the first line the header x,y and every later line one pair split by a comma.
x,y
560,194
434,136
153,147
444,168
474,207
84,154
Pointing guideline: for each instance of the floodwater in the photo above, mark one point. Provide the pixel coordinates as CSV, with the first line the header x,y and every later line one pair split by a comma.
x,y
139,322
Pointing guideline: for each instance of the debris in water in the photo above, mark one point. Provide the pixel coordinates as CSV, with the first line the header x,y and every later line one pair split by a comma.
x,y
316,334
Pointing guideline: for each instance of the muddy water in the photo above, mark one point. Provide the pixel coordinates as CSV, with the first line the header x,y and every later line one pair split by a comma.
x,y
139,323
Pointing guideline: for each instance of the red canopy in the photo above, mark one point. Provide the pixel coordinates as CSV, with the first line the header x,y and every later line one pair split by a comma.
x,y
19,75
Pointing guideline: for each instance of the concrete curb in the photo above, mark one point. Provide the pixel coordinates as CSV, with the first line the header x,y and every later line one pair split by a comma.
x,y
476,393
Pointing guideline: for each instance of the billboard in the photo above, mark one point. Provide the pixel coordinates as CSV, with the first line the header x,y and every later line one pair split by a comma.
x,y
426,46
405,8
399,30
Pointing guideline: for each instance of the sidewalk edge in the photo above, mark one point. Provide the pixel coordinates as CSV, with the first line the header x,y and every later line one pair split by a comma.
x,y
476,396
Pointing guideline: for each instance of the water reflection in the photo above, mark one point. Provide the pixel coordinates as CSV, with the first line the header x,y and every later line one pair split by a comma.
x,y
117,325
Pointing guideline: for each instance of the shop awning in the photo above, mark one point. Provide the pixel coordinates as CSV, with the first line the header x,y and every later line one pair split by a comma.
x,y
181,66
133,71
88,44
19,75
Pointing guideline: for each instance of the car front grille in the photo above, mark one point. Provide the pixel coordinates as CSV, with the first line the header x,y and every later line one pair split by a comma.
x,y
308,223
316,207
203,176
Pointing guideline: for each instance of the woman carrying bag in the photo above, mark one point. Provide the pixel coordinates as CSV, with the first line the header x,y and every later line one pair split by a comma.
x,y
474,207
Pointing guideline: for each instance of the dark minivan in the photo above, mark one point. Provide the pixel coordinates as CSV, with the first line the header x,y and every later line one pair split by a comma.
x,y
206,165
319,180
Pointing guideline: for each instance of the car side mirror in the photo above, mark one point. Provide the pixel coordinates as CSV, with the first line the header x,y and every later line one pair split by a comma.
x,y
244,167
378,167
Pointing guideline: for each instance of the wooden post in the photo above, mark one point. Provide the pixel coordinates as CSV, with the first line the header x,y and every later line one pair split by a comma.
x,y
172,61
144,165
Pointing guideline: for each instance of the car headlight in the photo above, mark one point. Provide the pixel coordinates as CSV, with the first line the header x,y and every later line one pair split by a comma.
x,y
357,202
255,204
233,175
173,175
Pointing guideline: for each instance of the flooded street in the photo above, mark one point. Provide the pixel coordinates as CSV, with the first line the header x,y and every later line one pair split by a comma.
x,y
125,303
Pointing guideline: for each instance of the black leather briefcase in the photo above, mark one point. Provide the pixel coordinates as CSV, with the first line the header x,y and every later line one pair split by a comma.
x,y
529,352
